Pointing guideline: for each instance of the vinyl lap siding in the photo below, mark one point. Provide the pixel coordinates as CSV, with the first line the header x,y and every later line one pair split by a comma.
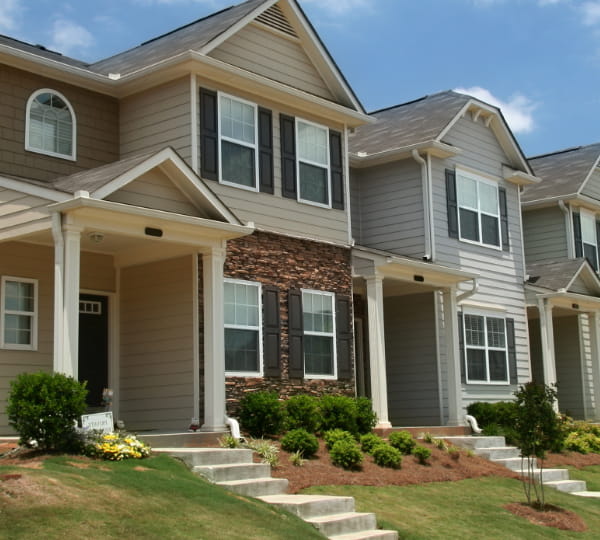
x,y
545,235
97,272
19,209
592,187
568,366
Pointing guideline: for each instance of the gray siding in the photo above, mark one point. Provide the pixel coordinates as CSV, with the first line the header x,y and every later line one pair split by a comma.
x,y
535,345
18,210
545,235
592,187
355,204
568,366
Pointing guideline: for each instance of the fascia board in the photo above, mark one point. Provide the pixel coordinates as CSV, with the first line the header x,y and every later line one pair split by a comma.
x,y
36,191
589,176
435,148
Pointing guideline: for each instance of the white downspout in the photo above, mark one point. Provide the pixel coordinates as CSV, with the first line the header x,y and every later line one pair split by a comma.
x,y
426,208
234,427
569,228
430,201
466,294
346,155
59,265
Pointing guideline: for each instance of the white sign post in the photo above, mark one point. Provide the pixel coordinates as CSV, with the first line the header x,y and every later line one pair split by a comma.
x,y
98,422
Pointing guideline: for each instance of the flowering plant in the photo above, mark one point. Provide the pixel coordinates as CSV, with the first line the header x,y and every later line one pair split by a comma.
x,y
116,446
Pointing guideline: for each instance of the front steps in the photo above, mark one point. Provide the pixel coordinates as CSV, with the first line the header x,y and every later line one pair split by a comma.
x,y
235,470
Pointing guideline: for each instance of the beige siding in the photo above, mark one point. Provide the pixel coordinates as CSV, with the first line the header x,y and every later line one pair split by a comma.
x,y
568,366
545,235
17,209
273,56
157,118
157,345
97,272
592,187
23,260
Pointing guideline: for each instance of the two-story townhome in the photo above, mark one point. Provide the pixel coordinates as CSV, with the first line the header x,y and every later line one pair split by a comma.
x,y
174,220
561,227
438,263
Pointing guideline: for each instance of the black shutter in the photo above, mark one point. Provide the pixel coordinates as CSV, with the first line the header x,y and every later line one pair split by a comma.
x,y
287,126
461,348
451,203
343,321
265,150
577,235
597,243
295,334
503,219
336,164
512,351
209,134
271,331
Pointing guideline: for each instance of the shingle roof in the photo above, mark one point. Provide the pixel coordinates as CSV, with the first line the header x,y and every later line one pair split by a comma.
x,y
562,172
40,50
410,123
554,275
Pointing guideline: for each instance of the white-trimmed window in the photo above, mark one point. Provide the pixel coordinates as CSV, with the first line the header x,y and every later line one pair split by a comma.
x,y
50,126
478,209
313,171
19,313
238,142
243,323
486,351
588,237
319,334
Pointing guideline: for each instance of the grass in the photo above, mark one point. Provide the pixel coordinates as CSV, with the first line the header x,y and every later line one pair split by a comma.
x,y
70,497
590,474
464,509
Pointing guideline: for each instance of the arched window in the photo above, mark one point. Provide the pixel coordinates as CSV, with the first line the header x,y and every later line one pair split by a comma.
x,y
50,124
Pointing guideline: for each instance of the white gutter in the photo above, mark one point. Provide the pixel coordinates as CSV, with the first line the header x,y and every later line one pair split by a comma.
x,y
59,262
426,208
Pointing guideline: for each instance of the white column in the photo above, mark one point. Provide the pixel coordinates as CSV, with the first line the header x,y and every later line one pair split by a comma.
x,y
72,246
547,338
214,341
593,321
59,258
453,358
377,350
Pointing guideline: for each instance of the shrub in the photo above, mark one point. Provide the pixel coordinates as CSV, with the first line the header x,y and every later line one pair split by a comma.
x,y
296,459
454,452
44,408
422,454
334,435
369,441
300,440
338,412
346,454
583,438
268,452
385,455
261,413
116,447
440,444
228,441
402,440
366,419
302,412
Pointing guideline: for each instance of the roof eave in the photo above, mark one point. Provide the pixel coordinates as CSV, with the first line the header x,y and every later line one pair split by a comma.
x,y
434,148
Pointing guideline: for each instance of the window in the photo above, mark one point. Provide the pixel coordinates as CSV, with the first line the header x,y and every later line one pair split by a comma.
x,y
50,125
313,163
588,238
19,313
243,344
478,209
486,353
319,334
237,141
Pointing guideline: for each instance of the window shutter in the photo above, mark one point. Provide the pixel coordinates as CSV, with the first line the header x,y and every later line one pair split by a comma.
x,y
271,331
287,126
209,134
598,242
461,348
577,235
452,203
336,164
295,334
343,314
503,219
265,150
512,350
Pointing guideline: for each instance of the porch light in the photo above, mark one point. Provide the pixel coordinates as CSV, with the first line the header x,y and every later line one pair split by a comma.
x,y
96,237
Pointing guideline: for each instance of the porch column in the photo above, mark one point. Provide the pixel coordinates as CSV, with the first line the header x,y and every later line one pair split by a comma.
x,y
72,247
214,340
593,321
59,260
453,358
547,338
377,349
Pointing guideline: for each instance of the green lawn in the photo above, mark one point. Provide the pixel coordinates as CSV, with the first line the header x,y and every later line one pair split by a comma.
x,y
590,474
138,499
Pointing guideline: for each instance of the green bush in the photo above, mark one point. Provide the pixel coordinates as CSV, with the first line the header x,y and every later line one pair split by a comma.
x,y
366,419
496,419
402,440
261,413
338,412
346,454
302,412
582,437
369,441
421,453
300,440
385,455
44,408
334,435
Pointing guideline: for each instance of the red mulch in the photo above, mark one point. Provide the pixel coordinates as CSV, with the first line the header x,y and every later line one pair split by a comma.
x,y
571,459
551,516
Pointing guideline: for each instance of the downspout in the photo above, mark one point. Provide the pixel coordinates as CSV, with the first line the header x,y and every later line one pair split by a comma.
x,y
430,201
59,263
569,228
347,187
466,294
426,208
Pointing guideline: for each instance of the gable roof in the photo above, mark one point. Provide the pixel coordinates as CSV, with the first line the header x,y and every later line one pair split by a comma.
x,y
563,173
560,275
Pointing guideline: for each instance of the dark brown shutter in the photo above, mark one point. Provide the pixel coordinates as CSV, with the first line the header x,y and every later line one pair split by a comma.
x,y
336,164
265,150
451,203
461,348
503,219
295,334
271,331
343,321
512,350
209,135
597,244
577,235
287,126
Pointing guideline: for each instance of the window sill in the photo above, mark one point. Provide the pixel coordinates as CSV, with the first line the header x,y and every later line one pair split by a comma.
x,y
480,244
312,377
244,374
51,154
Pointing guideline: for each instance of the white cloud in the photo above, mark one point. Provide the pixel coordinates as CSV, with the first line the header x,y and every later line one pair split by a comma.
x,y
339,7
68,37
590,12
9,11
518,110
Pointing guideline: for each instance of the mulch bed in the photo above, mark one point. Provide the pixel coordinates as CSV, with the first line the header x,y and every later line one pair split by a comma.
x,y
551,516
571,459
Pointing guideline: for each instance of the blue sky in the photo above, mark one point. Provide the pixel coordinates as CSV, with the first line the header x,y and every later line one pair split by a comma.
x,y
539,60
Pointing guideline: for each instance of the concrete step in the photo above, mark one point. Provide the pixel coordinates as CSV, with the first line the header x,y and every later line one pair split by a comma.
x,y
208,456
233,471
548,475
568,486
349,522
256,487
593,494
310,506
499,452
475,442
375,534
514,464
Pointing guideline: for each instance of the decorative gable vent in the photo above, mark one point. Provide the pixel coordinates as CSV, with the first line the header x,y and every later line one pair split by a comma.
x,y
274,18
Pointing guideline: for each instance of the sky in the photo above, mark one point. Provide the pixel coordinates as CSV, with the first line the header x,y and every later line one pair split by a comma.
x,y
538,60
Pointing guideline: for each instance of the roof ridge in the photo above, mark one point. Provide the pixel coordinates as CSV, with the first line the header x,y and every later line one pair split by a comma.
x,y
422,98
43,48
558,152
